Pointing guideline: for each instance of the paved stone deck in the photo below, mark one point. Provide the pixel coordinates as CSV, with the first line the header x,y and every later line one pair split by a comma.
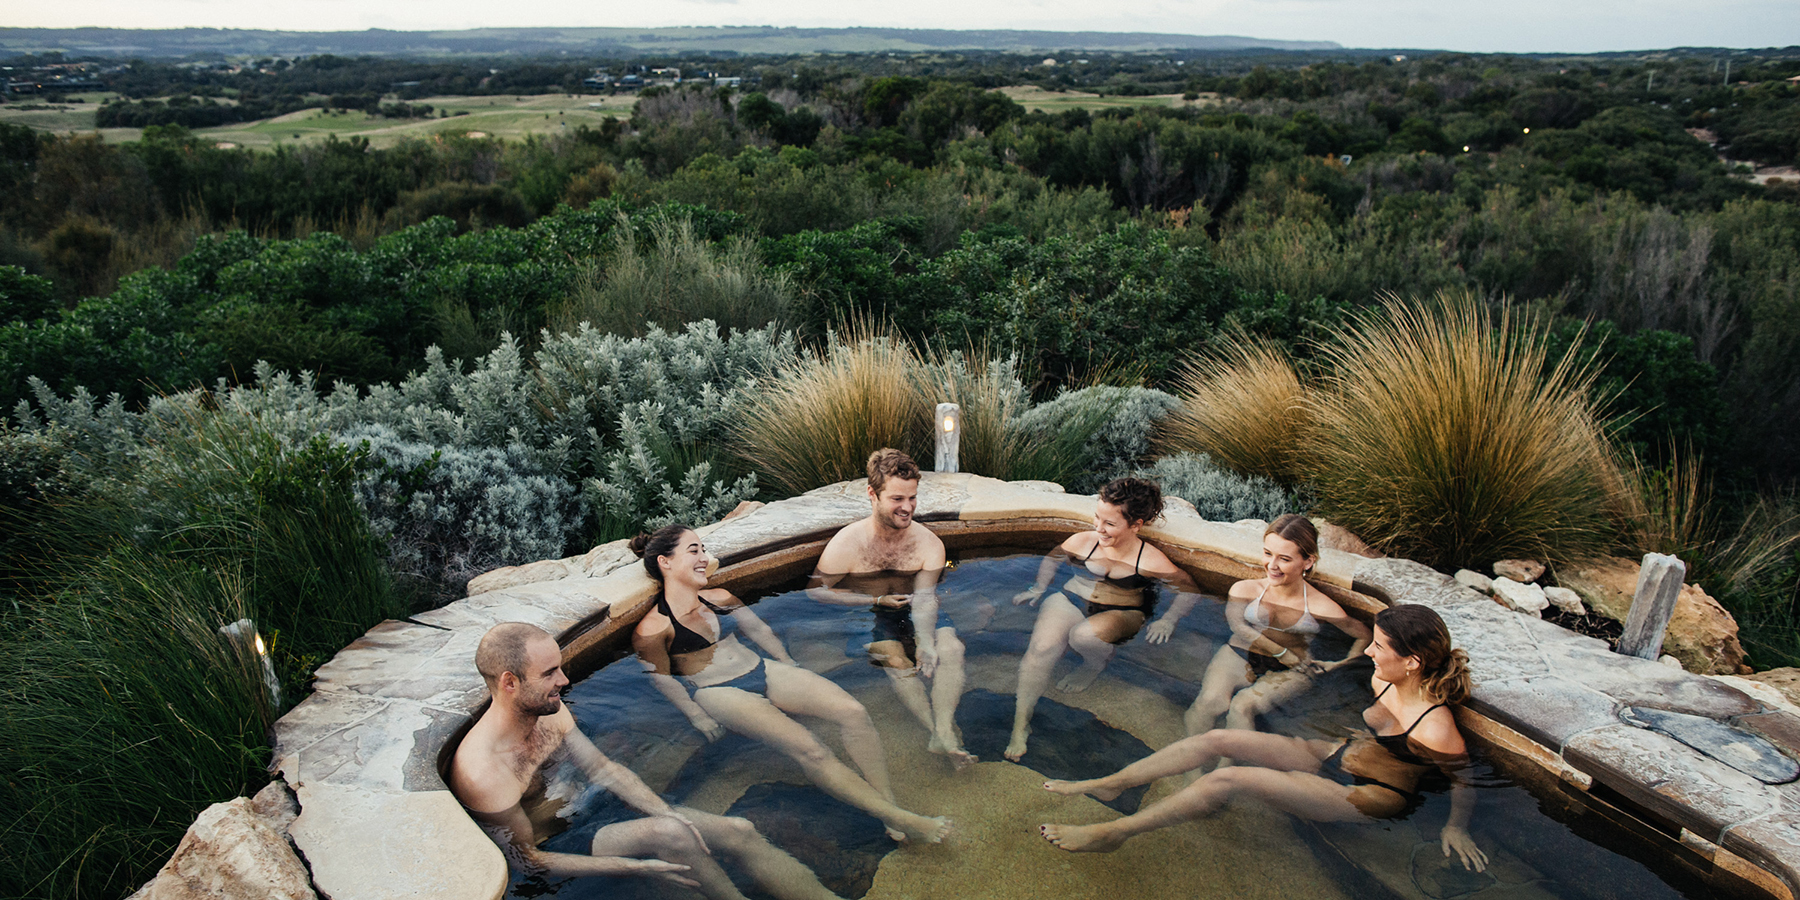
x,y
377,822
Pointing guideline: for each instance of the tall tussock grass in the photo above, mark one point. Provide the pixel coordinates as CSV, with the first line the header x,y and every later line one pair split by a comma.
x,y
1245,407
816,423
672,278
1446,435
123,710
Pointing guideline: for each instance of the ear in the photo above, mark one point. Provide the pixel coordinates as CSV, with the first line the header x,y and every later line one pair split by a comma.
x,y
508,683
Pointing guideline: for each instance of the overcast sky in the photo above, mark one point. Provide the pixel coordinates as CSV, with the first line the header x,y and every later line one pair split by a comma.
x,y
1521,25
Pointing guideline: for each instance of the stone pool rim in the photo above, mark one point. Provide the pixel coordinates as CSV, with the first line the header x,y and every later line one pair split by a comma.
x,y
376,821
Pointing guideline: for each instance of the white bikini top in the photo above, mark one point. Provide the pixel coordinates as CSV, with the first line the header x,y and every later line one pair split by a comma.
x,y
1306,624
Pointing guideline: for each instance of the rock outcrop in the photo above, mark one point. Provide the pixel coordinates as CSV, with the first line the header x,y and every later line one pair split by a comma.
x,y
232,852
1701,633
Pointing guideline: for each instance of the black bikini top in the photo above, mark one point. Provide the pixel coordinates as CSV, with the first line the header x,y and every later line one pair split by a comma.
x,y
687,640
1395,744
1134,582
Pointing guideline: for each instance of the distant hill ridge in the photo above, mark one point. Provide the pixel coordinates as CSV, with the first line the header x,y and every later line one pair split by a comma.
x,y
176,42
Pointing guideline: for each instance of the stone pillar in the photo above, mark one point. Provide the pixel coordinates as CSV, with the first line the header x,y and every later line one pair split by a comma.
x,y
1659,584
948,428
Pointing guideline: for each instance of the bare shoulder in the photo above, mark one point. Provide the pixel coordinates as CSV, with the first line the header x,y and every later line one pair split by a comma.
x,y
652,625
1157,562
929,546
844,548
721,598
1248,589
1081,542
479,777
1438,733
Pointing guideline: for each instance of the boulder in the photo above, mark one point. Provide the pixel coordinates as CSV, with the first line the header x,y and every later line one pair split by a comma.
x,y
1525,598
231,853
1524,571
1702,635
744,508
1566,600
1333,537
1785,680
1474,580
513,576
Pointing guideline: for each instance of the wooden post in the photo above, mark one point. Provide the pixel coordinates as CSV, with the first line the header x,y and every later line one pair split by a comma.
x,y
1659,583
948,422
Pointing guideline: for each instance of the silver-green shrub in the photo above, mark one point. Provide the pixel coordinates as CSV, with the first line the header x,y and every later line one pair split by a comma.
x,y
450,513
635,491
1126,417
1219,495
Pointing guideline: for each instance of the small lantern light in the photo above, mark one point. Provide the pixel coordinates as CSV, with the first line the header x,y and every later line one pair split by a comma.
x,y
1527,131
949,436
243,632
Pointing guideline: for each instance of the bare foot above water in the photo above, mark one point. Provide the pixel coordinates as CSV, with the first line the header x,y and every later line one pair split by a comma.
x,y
1090,788
1080,838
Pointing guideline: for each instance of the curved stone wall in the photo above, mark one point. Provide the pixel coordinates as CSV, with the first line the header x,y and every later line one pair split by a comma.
x,y
376,821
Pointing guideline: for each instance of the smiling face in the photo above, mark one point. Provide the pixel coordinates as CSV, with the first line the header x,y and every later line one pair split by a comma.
x,y
1283,560
538,691
1390,666
1111,524
688,563
895,503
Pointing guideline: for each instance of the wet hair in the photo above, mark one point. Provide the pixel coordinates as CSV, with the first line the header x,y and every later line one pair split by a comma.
x,y
658,544
502,649
1139,500
1299,529
1418,631
890,463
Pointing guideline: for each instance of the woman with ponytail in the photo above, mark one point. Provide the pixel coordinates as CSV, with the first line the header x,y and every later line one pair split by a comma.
x,y
733,688
1372,775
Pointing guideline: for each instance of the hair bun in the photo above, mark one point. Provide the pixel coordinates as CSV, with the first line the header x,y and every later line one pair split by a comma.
x,y
639,544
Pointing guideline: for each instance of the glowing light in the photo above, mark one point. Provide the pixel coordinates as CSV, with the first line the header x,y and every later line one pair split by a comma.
x,y
1527,131
949,424
1465,148
261,649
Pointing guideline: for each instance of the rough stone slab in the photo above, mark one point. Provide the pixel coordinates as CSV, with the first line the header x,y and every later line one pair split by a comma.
x,y
1772,842
403,660
1673,780
321,714
1644,682
455,615
1781,728
530,573
390,749
1744,751
231,852
820,510
572,598
349,837
1785,680
1548,709
1405,581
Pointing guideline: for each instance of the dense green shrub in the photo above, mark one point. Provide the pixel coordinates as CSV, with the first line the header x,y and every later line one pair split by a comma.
x,y
1218,495
1118,423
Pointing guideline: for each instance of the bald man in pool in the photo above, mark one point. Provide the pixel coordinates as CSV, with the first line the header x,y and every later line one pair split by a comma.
x,y
527,736
889,564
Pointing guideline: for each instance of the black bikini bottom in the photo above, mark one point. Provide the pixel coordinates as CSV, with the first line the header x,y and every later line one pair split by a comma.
x,y
1381,801
756,681
1091,609
1259,664
894,623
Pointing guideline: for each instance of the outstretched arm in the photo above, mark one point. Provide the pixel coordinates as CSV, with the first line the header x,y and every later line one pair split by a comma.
x,y
1045,573
924,617
760,633
622,781
653,652
823,587
1360,635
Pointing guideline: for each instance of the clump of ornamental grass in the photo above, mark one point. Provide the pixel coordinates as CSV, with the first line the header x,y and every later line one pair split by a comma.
x,y
1444,437
674,277
816,422
1667,509
999,437
1244,407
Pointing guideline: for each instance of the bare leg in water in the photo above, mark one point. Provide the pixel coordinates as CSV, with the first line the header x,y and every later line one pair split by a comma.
x,y
1049,638
803,693
935,710
1278,770
665,838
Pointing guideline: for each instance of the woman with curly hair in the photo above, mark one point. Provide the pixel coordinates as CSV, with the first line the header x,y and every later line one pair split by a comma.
x,y
1116,578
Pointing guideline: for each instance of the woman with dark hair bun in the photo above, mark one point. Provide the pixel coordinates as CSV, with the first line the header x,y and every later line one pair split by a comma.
x,y
1371,776
1116,578
1268,660
735,689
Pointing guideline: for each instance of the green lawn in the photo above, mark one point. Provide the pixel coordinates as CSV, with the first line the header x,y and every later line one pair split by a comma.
x,y
1036,99
507,116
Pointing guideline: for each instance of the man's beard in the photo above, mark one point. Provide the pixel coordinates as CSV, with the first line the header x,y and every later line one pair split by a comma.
x,y
549,707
